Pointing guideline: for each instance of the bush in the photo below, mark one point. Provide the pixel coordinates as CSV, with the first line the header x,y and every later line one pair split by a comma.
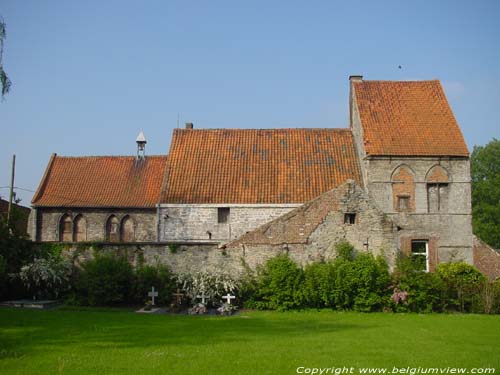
x,y
318,285
104,280
278,285
212,285
424,290
361,284
158,276
46,277
463,285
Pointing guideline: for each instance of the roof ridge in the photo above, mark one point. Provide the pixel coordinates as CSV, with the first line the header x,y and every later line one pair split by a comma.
x,y
105,156
266,129
400,81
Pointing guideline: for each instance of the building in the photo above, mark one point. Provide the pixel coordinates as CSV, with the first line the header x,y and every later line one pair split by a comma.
x,y
397,180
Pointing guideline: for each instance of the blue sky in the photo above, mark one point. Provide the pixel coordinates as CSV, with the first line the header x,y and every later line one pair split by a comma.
x,y
89,75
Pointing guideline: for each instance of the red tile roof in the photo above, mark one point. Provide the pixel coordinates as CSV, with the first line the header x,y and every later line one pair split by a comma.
x,y
407,118
101,181
257,165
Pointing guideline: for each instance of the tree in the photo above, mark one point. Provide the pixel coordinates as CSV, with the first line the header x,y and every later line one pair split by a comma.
x,y
4,80
485,171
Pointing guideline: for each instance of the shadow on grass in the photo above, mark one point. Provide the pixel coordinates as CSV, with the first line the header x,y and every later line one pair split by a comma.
x,y
24,332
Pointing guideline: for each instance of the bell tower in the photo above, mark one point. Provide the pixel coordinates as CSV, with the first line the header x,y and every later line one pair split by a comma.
x,y
141,145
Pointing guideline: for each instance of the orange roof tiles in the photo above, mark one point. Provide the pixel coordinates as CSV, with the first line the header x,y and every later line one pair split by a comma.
x,y
101,181
257,165
407,118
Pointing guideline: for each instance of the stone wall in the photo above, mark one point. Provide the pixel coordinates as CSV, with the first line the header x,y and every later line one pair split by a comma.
x,y
306,239
451,228
45,222
190,222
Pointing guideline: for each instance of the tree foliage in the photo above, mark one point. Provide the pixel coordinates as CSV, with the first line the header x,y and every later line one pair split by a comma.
x,y
4,79
485,171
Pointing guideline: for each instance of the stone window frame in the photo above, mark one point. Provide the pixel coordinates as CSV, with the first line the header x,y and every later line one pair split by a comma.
x,y
74,229
410,191
66,215
107,233
438,183
121,231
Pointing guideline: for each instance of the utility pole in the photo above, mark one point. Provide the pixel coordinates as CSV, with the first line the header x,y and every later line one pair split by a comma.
x,y
11,195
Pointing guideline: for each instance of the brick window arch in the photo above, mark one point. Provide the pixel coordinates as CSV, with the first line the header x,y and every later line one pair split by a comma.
x,y
403,189
437,181
127,229
66,228
113,229
79,229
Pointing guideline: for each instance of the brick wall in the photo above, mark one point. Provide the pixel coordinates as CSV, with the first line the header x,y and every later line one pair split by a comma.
x,y
486,259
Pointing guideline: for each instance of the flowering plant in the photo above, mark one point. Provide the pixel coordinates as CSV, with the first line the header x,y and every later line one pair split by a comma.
x,y
211,285
46,276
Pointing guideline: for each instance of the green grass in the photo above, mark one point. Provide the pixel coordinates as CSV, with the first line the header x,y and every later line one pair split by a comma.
x,y
93,341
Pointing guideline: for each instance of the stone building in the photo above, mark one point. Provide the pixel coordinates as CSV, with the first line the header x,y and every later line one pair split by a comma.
x,y
397,180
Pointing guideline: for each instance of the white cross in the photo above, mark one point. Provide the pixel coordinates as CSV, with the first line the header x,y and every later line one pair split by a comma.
x,y
153,294
228,298
203,296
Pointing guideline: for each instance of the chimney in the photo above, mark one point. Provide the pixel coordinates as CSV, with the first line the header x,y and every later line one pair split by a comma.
x,y
189,125
356,78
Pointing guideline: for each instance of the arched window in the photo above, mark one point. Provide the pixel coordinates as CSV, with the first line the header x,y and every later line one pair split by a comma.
x,y
437,189
127,229
79,229
403,189
66,229
113,229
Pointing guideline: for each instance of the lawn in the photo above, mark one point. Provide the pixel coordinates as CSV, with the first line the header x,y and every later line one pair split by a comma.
x,y
96,341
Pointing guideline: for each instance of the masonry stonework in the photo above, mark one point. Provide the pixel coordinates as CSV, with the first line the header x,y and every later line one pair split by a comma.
x,y
198,222
450,228
47,222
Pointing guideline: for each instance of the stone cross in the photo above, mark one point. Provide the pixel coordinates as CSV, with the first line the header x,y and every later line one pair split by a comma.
x,y
153,294
178,296
228,298
203,297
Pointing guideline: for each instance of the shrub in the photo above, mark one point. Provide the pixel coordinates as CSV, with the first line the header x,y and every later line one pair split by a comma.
x,y
361,284
158,276
424,290
212,285
318,285
278,285
46,277
463,284
104,280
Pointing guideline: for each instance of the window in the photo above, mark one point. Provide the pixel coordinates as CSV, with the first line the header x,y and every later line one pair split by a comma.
x,y
437,197
403,203
112,229
420,254
127,230
66,229
80,229
350,218
403,189
223,215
